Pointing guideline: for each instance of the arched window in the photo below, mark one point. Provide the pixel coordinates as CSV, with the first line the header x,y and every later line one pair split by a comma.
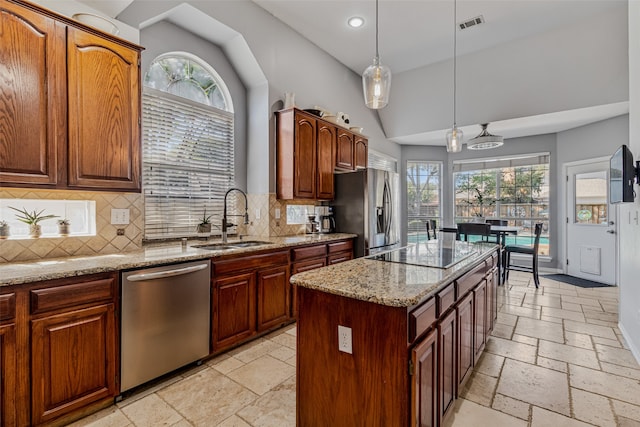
x,y
188,145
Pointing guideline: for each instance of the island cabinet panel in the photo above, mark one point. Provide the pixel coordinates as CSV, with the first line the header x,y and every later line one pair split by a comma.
x,y
481,317
447,362
424,386
466,330
234,310
366,388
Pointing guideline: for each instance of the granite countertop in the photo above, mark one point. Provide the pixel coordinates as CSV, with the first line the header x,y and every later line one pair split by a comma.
x,y
151,255
387,283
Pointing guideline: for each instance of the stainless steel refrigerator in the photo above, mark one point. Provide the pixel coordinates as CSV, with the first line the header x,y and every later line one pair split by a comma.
x,y
367,204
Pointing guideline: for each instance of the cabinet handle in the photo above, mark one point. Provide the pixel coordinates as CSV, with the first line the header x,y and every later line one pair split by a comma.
x,y
167,273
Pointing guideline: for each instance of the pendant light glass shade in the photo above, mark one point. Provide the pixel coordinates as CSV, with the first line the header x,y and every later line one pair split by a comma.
x,y
454,135
376,80
376,83
454,140
485,140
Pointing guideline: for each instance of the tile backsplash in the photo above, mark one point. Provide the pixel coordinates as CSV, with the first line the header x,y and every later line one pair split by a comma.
x,y
107,241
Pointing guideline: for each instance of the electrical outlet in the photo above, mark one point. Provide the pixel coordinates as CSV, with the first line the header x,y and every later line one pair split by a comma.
x,y
120,216
344,339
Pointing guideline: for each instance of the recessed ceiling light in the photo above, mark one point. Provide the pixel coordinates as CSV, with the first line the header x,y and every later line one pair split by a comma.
x,y
355,22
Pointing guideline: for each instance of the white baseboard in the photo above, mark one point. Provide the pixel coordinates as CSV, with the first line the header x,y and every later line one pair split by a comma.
x,y
634,350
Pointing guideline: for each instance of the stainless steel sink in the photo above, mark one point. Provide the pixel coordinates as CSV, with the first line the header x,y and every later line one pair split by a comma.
x,y
231,245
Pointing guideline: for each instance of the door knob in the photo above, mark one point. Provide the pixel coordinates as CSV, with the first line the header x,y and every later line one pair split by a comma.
x,y
611,222
611,232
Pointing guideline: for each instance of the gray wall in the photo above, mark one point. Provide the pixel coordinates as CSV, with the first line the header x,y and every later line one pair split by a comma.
x,y
165,37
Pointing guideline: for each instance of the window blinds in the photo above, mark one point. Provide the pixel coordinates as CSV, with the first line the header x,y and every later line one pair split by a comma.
x,y
501,162
187,164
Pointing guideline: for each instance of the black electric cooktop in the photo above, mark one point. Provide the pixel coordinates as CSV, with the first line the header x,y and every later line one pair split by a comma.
x,y
433,253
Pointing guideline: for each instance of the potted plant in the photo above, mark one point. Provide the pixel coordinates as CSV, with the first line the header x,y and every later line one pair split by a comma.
x,y
63,226
4,230
32,219
205,223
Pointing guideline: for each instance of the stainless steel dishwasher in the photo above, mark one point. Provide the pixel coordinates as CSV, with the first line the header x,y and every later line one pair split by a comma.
x,y
165,320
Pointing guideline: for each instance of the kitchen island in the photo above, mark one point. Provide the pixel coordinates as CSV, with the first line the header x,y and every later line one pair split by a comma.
x,y
391,341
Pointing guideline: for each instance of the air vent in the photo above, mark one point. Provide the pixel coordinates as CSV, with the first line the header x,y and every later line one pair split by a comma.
x,y
471,22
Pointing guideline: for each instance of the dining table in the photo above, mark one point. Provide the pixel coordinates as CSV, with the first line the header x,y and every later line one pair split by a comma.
x,y
501,231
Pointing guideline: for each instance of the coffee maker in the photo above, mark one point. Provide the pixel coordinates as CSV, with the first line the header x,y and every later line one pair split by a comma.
x,y
311,225
327,222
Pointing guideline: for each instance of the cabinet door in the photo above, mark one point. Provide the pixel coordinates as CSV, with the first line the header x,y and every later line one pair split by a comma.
x,y
73,361
304,153
361,148
326,141
273,297
104,111
480,319
32,97
300,267
447,355
344,150
492,298
8,370
234,310
424,384
465,338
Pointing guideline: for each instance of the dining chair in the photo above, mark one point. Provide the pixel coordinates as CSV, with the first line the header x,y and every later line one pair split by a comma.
x,y
467,229
527,250
432,231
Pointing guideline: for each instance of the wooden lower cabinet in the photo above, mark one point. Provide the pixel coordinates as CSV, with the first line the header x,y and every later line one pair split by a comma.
x,y
481,316
424,386
466,329
73,361
234,314
301,267
447,362
273,297
8,369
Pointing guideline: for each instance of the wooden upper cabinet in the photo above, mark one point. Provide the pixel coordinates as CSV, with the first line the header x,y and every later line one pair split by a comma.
x,y
32,97
345,150
361,152
69,103
104,110
326,142
305,157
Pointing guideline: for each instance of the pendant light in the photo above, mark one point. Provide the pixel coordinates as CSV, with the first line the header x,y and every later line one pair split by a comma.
x,y
454,135
376,79
485,140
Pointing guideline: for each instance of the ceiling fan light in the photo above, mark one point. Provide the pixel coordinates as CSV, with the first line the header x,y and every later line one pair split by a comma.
x,y
485,140
454,140
376,85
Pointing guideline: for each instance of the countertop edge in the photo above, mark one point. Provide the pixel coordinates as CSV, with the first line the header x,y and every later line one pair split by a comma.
x,y
18,273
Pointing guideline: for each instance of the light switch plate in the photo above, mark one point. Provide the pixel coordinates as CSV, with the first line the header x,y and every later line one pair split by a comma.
x,y
120,216
277,213
257,213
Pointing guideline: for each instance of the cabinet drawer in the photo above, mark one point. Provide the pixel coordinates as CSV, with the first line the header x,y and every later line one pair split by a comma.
x,y
340,246
242,263
317,251
445,298
470,279
63,296
421,319
300,267
340,257
7,306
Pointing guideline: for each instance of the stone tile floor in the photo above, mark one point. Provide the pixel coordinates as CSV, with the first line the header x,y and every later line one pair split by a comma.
x,y
556,358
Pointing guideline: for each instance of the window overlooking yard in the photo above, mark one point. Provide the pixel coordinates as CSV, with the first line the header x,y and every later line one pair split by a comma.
x,y
514,189
424,190
188,145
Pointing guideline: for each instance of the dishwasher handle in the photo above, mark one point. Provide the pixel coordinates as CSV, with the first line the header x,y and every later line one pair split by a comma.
x,y
167,273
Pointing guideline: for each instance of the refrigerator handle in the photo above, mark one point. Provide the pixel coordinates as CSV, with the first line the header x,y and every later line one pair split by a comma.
x,y
388,208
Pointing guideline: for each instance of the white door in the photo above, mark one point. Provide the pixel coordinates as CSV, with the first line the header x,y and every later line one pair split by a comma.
x,y
591,227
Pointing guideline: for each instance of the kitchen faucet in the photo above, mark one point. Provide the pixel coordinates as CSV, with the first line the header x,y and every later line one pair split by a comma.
x,y
226,224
